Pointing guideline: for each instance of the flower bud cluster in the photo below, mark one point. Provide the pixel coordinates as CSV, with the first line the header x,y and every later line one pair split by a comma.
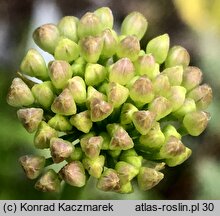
x,y
106,108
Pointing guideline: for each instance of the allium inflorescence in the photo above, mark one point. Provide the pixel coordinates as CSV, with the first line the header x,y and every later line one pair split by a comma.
x,y
104,106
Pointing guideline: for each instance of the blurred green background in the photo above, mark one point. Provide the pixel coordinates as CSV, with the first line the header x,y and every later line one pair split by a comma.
x,y
194,24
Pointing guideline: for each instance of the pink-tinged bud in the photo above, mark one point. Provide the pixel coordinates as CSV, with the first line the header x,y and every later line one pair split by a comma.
x,y
32,165
30,118
171,148
192,77
141,91
143,121
89,25
148,178
60,72
60,149
64,104
48,182
121,71
120,138
109,181
74,174
146,65
91,48
47,37
202,95
161,106
100,109
91,145
129,47
19,94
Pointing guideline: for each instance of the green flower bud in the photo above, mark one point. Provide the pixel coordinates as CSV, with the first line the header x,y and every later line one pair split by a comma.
x,y
120,138
146,65
153,140
177,97
76,155
100,109
94,166
64,104
34,65
175,75
202,95
48,182
91,48
130,156
161,106
117,94
110,43
114,153
129,47
170,130
94,74
159,47
30,118
127,111
106,140
66,50
89,25
74,174
82,121
91,145
196,122
109,181
177,55
32,165
60,72
60,149
105,16
143,121
126,171
192,77
125,188
68,27
77,87
47,37
19,94
148,178
43,135
141,91
60,123
171,148
187,107
121,71
161,85
179,159
134,24
44,94
78,67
